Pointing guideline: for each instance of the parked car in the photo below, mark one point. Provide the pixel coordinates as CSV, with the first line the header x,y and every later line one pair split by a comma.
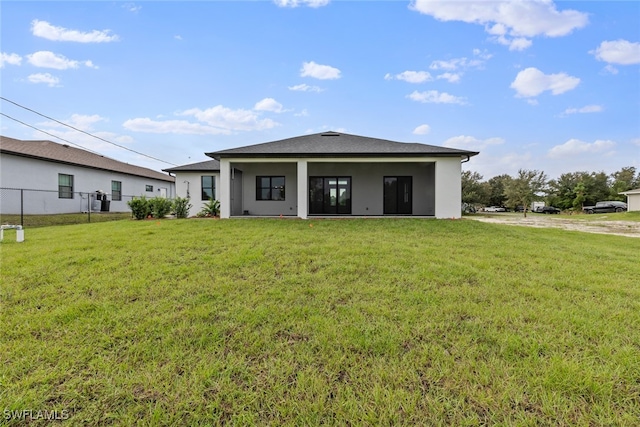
x,y
547,210
519,208
495,209
604,207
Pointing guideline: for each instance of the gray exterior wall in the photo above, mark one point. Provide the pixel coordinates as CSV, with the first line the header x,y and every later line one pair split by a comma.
x,y
192,181
367,185
33,174
250,171
633,202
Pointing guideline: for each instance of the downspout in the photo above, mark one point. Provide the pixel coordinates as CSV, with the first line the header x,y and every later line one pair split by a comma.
x,y
468,158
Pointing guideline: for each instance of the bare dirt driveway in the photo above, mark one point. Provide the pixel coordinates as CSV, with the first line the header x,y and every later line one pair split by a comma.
x,y
601,225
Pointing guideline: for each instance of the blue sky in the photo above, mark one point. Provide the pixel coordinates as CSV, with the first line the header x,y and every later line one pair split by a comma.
x,y
553,86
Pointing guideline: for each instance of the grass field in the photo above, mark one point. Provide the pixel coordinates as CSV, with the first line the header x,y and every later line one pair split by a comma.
x,y
63,219
333,322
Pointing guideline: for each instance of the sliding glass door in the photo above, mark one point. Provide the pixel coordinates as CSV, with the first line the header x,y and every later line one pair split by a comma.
x,y
397,195
329,195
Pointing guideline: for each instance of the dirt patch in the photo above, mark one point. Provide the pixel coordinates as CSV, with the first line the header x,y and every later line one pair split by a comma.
x,y
619,228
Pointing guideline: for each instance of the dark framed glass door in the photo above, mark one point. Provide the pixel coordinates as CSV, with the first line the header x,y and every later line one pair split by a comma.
x,y
330,195
398,195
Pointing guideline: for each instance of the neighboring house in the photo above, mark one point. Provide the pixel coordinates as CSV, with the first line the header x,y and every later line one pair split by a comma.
x,y
337,174
57,178
198,182
633,199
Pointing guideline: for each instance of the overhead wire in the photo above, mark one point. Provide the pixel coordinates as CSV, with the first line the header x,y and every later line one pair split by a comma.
x,y
76,129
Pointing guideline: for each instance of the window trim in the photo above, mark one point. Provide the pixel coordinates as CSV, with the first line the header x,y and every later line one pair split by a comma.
x,y
65,191
116,195
271,187
212,188
148,188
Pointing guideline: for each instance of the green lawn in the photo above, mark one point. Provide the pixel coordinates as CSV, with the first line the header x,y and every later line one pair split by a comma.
x,y
333,322
63,219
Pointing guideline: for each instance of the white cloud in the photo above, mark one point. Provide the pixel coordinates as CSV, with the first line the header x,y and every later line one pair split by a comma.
x,y
509,22
80,121
463,63
585,109
471,143
46,30
620,52
435,97
317,71
411,76
46,59
132,7
296,3
268,104
177,37
636,141
228,119
305,88
451,64
532,82
86,123
10,58
450,77
422,130
575,147
46,78
519,43
611,69
211,121
303,113
182,127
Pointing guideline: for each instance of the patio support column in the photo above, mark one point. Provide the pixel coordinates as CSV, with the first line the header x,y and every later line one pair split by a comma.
x,y
303,189
448,188
225,188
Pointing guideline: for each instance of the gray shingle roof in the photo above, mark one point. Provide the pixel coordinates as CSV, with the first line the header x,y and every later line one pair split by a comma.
x,y
209,165
54,152
333,144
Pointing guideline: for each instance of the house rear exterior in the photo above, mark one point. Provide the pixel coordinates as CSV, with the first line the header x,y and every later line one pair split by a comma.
x,y
337,174
198,182
56,178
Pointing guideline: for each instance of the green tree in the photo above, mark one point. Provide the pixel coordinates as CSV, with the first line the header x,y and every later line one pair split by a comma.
x,y
526,187
496,187
472,189
623,180
580,192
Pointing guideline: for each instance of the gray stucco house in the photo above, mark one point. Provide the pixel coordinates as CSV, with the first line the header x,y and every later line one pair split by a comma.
x,y
332,174
58,178
198,182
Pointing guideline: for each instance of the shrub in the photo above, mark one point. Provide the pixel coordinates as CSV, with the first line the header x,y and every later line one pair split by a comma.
x,y
140,207
181,207
160,207
212,208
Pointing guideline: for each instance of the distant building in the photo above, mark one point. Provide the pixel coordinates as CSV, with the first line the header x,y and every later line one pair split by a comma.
x,y
57,178
633,199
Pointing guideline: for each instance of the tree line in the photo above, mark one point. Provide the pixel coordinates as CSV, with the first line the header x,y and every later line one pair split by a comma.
x,y
571,191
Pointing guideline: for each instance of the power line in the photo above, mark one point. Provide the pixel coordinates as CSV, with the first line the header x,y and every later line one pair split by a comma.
x,y
50,134
76,129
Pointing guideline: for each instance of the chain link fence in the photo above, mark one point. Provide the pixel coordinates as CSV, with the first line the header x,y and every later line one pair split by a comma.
x,y
33,208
